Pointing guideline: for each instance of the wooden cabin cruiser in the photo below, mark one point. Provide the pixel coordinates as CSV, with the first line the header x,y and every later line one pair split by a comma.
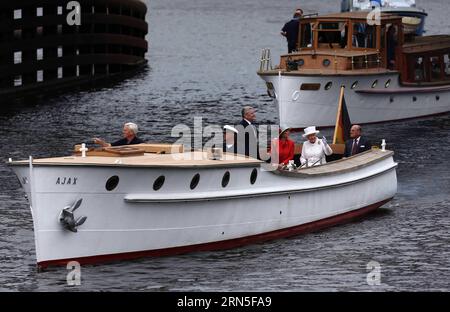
x,y
155,200
344,50
404,8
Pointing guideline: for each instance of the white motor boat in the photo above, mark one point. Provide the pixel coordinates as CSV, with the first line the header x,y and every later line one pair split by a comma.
x,y
388,74
119,204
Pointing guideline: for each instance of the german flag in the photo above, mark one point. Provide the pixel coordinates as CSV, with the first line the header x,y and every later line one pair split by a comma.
x,y
343,124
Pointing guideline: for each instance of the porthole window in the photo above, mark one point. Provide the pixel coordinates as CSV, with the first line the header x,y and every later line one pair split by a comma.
x,y
388,83
159,182
112,183
328,85
253,176
374,84
326,62
226,179
414,98
438,97
391,99
355,84
194,181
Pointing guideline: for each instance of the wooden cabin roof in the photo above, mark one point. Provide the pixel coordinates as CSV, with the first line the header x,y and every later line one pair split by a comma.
x,y
385,17
427,44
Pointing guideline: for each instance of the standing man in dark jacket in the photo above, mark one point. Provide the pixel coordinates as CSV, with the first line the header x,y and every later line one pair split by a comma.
x,y
290,30
248,137
357,144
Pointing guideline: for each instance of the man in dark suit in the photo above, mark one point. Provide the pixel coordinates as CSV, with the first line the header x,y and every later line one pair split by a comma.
x,y
230,139
248,136
357,144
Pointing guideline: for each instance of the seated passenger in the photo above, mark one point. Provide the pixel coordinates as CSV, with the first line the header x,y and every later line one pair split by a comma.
x,y
129,132
357,143
314,150
282,149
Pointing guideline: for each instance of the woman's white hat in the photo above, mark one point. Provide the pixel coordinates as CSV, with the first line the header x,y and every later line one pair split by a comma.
x,y
310,130
230,128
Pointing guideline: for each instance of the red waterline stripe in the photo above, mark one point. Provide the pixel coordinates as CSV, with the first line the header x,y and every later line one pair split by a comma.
x,y
226,244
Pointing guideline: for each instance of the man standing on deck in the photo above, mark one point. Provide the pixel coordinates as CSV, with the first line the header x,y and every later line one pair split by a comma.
x,y
357,143
290,30
248,135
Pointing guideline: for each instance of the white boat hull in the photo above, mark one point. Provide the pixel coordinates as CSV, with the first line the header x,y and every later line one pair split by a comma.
x,y
133,220
300,108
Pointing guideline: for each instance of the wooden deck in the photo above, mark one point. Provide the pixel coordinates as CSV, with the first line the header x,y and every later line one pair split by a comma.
x,y
180,160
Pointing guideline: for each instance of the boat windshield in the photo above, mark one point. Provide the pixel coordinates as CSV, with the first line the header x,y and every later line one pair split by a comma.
x,y
332,34
367,4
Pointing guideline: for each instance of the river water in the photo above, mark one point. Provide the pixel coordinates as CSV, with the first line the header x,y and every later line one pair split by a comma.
x,y
203,58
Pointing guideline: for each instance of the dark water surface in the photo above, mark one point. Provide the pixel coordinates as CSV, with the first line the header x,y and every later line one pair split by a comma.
x,y
203,59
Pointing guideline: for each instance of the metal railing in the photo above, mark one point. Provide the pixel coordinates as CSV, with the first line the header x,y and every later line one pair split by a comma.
x,y
366,61
266,61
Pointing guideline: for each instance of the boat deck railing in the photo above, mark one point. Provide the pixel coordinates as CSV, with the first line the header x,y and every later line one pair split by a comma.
x,y
266,60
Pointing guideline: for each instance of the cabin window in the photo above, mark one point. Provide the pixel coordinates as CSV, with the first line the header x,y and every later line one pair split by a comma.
x,y
419,72
332,35
435,68
310,86
374,84
354,85
328,85
306,35
447,64
364,36
60,72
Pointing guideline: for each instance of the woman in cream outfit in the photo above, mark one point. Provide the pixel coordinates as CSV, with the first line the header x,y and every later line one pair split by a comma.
x,y
314,150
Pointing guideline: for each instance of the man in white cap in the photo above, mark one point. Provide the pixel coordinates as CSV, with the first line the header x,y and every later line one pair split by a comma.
x,y
129,132
230,139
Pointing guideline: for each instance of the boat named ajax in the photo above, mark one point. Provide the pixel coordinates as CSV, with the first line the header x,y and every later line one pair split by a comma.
x,y
148,200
